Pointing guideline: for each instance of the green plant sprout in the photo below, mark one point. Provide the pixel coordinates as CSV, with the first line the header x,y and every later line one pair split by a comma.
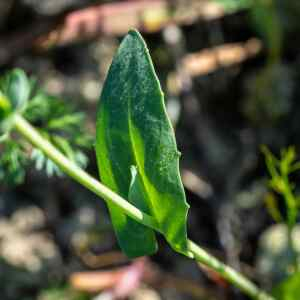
x,y
137,158
280,170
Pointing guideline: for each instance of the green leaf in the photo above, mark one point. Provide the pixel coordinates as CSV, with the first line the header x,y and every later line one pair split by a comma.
x,y
17,88
5,122
141,235
59,123
5,106
12,162
289,289
133,130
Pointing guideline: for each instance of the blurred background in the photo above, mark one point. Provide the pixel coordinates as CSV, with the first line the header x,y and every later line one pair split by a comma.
x,y
230,70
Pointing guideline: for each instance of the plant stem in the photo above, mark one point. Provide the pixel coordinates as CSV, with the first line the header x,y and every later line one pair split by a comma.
x,y
78,174
228,273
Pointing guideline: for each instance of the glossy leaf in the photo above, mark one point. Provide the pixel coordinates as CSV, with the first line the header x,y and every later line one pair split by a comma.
x,y
134,135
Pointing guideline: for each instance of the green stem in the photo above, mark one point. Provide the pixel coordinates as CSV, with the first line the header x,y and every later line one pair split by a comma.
x,y
78,174
228,273
71,169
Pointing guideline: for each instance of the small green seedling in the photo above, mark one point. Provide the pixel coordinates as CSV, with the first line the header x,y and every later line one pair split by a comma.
x,y
280,170
136,154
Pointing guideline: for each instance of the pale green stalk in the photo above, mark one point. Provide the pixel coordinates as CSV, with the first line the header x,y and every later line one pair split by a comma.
x,y
71,169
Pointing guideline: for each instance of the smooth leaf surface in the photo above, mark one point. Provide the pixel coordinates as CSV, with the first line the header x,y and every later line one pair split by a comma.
x,y
144,240
133,130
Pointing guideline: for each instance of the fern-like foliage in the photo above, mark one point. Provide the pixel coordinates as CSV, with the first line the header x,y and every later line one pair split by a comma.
x,y
55,118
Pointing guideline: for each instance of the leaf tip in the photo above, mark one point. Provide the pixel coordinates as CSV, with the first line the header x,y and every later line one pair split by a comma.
x,y
134,32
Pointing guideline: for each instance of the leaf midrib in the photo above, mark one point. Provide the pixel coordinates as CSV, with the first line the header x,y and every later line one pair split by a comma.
x,y
138,163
